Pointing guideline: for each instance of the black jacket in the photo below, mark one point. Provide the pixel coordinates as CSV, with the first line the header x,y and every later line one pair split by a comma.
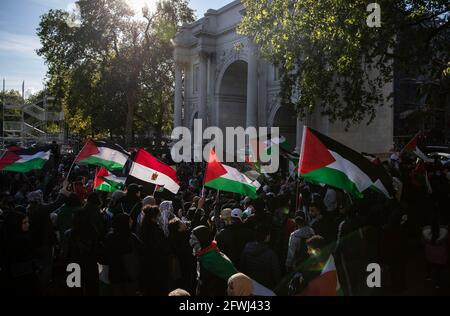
x,y
122,255
209,284
260,262
232,240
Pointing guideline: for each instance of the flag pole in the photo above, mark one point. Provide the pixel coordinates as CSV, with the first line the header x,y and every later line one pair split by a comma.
x,y
95,177
73,162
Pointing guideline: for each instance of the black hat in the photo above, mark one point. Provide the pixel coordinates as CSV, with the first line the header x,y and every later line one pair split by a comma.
x,y
203,235
134,188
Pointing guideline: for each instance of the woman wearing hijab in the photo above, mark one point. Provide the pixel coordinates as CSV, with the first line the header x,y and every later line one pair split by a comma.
x,y
122,251
156,255
213,267
240,285
167,214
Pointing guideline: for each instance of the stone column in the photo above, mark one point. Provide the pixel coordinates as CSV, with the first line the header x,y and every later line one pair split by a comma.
x,y
252,86
203,89
178,96
299,135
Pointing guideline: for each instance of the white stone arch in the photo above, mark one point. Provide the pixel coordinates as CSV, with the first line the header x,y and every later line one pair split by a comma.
x,y
288,126
231,59
273,113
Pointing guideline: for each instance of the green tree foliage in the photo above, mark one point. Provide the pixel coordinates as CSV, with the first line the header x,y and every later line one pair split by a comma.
x,y
327,52
112,69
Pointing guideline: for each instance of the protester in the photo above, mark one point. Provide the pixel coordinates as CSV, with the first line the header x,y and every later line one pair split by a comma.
x,y
259,261
82,246
240,285
179,292
213,267
122,252
435,238
297,243
199,239
156,254
184,260
17,259
233,238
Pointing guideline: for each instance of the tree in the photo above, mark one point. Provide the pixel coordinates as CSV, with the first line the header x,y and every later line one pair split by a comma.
x,y
326,51
99,65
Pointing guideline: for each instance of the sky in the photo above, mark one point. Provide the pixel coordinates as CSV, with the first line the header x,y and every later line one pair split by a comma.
x,y
18,40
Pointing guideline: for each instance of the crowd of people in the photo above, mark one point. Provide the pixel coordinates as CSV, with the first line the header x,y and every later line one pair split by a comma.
x,y
211,243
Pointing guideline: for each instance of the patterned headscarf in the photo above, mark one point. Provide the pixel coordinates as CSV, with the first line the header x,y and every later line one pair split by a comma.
x,y
35,196
166,209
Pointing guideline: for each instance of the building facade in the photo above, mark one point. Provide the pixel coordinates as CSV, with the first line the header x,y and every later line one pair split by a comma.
x,y
221,79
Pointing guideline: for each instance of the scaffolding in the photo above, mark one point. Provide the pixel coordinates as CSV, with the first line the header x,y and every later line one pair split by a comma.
x,y
28,124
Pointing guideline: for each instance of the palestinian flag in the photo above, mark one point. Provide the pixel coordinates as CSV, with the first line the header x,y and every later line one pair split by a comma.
x,y
103,154
216,262
159,189
108,182
148,169
228,179
414,148
326,284
25,160
325,161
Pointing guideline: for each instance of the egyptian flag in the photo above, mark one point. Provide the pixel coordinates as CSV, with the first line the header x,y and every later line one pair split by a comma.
x,y
414,148
326,284
108,182
228,179
102,154
148,169
25,160
325,161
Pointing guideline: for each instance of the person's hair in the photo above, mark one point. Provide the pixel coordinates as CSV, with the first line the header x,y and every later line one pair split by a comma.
x,y
318,203
94,199
191,213
73,200
316,242
259,206
261,232
13,223
300,220
21,209
174,224
179,292
121,224
82,227
152,211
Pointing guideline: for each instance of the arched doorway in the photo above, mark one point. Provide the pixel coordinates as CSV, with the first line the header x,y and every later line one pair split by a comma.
x,y
232,110
286,119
